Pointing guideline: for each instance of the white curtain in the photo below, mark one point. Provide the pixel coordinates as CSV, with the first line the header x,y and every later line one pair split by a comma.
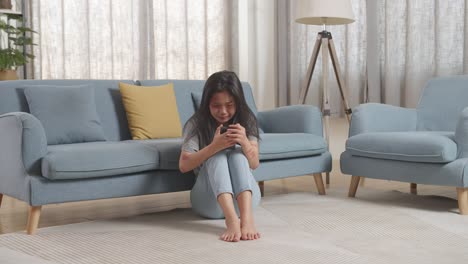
x,y
386,55
130,39
257,54
417,40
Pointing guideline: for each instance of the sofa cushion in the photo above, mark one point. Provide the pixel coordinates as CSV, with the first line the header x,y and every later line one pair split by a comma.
x,y
151,111
68,113
435,147
272,146
98,159
290,145
169,151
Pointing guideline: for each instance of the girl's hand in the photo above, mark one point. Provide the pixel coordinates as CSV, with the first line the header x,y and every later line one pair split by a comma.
x,y
222,141
237,133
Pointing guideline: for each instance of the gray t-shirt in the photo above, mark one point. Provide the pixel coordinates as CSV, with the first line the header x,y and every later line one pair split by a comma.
x,y
190,144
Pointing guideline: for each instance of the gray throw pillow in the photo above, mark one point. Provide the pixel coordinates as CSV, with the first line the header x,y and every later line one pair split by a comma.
x,y
196,98
68,113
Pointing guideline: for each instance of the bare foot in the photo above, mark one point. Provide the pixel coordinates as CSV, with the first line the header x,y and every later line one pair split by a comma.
x,y
248,230
233,231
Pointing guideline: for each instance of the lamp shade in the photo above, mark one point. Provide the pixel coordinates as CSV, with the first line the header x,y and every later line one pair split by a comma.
x,y
324,12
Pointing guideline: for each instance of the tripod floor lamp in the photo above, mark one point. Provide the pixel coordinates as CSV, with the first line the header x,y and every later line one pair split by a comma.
x,y
325,12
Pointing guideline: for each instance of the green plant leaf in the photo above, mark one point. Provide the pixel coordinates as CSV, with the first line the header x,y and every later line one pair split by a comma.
x,y
18,37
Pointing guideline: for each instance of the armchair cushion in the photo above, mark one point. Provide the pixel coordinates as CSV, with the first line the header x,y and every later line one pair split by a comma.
x,y
433,147
290,145
98,159
67,113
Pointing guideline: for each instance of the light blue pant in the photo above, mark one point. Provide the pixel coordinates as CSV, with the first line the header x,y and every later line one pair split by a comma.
x,y
226,172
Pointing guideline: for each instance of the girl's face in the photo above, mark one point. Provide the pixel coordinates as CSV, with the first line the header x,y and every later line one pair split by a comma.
x,y
222,107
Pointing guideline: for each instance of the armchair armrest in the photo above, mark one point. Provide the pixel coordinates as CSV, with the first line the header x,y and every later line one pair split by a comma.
x,y
372,117
23,143
461,134
292,119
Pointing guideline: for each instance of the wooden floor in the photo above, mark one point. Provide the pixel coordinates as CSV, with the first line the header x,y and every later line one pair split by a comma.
x,y
13,213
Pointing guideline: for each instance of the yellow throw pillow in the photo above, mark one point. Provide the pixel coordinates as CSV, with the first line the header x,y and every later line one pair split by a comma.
x,y
151,111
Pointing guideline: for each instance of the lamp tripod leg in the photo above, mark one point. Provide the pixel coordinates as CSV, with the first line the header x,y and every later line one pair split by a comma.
x,y
326,96
310,70
339,79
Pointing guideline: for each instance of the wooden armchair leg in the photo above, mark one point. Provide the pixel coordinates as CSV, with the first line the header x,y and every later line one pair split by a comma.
x,y
353,186
414,188
1,197
463,200
33,220
261,184
319,182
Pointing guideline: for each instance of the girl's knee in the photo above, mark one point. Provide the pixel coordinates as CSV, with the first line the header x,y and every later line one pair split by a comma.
x,y
237,156
218,157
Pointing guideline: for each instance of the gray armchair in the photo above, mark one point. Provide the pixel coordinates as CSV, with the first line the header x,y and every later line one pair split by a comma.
x,y
426,145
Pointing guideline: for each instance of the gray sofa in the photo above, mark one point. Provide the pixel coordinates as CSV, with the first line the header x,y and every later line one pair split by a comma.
x,y
38,174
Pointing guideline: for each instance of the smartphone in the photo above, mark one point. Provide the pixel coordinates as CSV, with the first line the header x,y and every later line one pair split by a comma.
x,y
223,129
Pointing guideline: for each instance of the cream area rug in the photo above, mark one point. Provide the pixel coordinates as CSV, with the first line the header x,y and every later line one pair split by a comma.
x,y
375,227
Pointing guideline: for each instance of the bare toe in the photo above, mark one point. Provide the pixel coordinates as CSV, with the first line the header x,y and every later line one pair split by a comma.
x,y
233,231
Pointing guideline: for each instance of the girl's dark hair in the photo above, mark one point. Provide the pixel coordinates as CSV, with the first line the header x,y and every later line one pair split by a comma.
x,y
203,125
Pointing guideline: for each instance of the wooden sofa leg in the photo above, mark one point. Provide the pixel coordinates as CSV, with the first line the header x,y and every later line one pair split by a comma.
x,y
319,182
1,197
362,182
33,220
463,200
414,188
261,184
353,186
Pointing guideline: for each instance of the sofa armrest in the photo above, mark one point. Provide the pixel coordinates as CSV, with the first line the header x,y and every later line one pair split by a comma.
x,y
23,143
292,119
373,117
461,134
22,138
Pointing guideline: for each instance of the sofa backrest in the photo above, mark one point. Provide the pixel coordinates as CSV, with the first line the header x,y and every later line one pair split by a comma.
x,y
109,101
442,102
183,91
